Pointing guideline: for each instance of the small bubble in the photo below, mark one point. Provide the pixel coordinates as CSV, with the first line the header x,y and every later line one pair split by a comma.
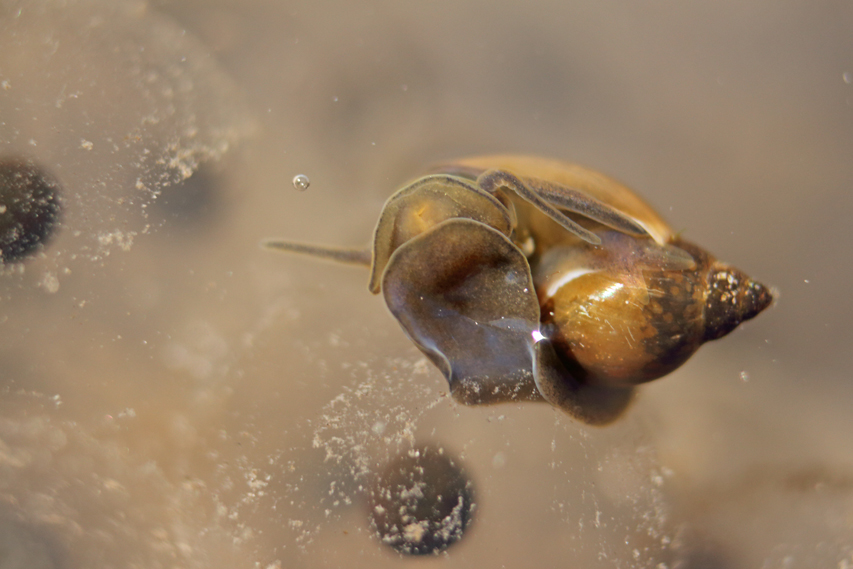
x,y
848,77
301,182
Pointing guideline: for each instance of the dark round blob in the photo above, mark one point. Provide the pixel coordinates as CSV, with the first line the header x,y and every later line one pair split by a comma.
x,y
422,502
29,208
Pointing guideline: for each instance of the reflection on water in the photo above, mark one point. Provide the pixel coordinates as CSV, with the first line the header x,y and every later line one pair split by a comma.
x,y
173,396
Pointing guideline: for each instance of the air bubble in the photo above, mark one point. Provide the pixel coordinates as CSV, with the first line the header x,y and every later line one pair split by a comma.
x,y
301,182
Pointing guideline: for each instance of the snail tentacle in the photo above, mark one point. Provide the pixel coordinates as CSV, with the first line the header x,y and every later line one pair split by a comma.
x,y
493,180
360,257
584,204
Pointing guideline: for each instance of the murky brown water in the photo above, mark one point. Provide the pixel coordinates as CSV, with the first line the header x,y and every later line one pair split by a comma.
x,y
174,396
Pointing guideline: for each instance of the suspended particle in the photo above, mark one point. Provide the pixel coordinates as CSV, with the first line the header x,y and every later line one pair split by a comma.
x,y
301,182
30,208
422,502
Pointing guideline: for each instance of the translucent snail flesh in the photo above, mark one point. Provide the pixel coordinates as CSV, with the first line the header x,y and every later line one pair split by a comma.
x,y
523,278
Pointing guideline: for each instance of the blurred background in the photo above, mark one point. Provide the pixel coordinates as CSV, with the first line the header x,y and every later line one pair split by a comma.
x,y
172,395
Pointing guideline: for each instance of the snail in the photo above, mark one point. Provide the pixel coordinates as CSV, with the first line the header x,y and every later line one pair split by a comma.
x,y
527,279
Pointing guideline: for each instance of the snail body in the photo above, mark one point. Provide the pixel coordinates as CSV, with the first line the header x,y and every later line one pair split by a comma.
x,y
529,279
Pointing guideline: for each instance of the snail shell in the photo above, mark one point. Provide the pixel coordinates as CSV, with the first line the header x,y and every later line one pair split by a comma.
x,y
628,312
530,279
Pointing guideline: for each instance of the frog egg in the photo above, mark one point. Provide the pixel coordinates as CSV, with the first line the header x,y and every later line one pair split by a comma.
x,y
29,208
422,502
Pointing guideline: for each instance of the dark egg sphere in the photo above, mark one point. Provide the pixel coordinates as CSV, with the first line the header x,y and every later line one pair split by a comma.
x,y
422,502
29,208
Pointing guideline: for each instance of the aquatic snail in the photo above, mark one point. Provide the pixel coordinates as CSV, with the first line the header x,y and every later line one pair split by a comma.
x,y
526,279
